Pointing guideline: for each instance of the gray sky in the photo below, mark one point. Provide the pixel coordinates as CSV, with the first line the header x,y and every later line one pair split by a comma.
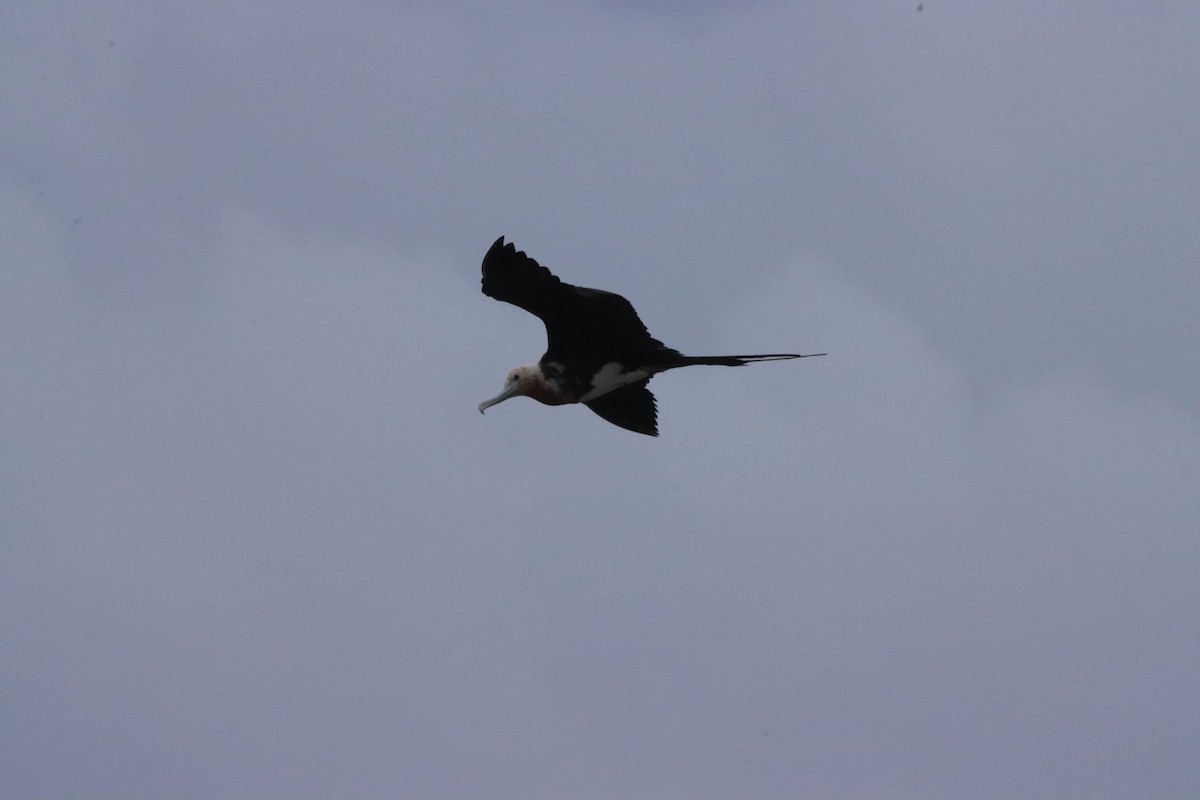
x,y
256,541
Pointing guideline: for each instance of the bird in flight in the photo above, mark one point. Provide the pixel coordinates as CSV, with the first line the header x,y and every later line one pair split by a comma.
x,y
599,352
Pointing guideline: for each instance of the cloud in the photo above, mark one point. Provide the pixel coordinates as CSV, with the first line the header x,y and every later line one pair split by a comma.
x,y
270,522
257,539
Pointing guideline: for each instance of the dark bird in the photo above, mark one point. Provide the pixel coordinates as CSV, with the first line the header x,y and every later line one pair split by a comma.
x,y
599,352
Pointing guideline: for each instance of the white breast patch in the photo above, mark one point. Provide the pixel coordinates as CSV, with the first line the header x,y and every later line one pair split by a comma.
x,y
612,376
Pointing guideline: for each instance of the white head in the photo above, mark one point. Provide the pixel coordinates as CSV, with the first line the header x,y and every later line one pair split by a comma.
x,y
525,379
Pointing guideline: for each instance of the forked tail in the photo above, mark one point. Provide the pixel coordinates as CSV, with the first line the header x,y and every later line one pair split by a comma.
x,y
741,361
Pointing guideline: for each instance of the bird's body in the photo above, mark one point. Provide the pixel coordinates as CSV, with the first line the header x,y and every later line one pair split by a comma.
x,y
598,353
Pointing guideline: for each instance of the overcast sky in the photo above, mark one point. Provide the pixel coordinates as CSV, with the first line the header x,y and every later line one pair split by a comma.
x,y
256,540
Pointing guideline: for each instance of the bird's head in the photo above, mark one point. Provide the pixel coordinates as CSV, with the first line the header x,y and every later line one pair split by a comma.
x,y
525,379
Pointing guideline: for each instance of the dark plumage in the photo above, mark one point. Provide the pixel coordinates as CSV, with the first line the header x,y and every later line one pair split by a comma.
x,y
598,353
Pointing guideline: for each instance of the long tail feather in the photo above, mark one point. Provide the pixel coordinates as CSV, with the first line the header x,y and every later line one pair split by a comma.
x,y
741,361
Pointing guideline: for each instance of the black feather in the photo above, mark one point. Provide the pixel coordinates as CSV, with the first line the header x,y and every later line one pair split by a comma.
x,y
632,407
586,328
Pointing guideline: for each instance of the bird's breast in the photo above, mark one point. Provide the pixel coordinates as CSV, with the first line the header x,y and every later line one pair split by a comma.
x,y
549,394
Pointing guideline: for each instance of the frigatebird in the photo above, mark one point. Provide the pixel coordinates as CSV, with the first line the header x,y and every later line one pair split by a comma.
x,y
599,352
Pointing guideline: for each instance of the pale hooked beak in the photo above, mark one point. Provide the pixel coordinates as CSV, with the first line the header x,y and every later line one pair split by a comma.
x,y
509,391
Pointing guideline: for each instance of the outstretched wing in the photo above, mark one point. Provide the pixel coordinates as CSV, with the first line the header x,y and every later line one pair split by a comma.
x,y
632,407
516,278
582,325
